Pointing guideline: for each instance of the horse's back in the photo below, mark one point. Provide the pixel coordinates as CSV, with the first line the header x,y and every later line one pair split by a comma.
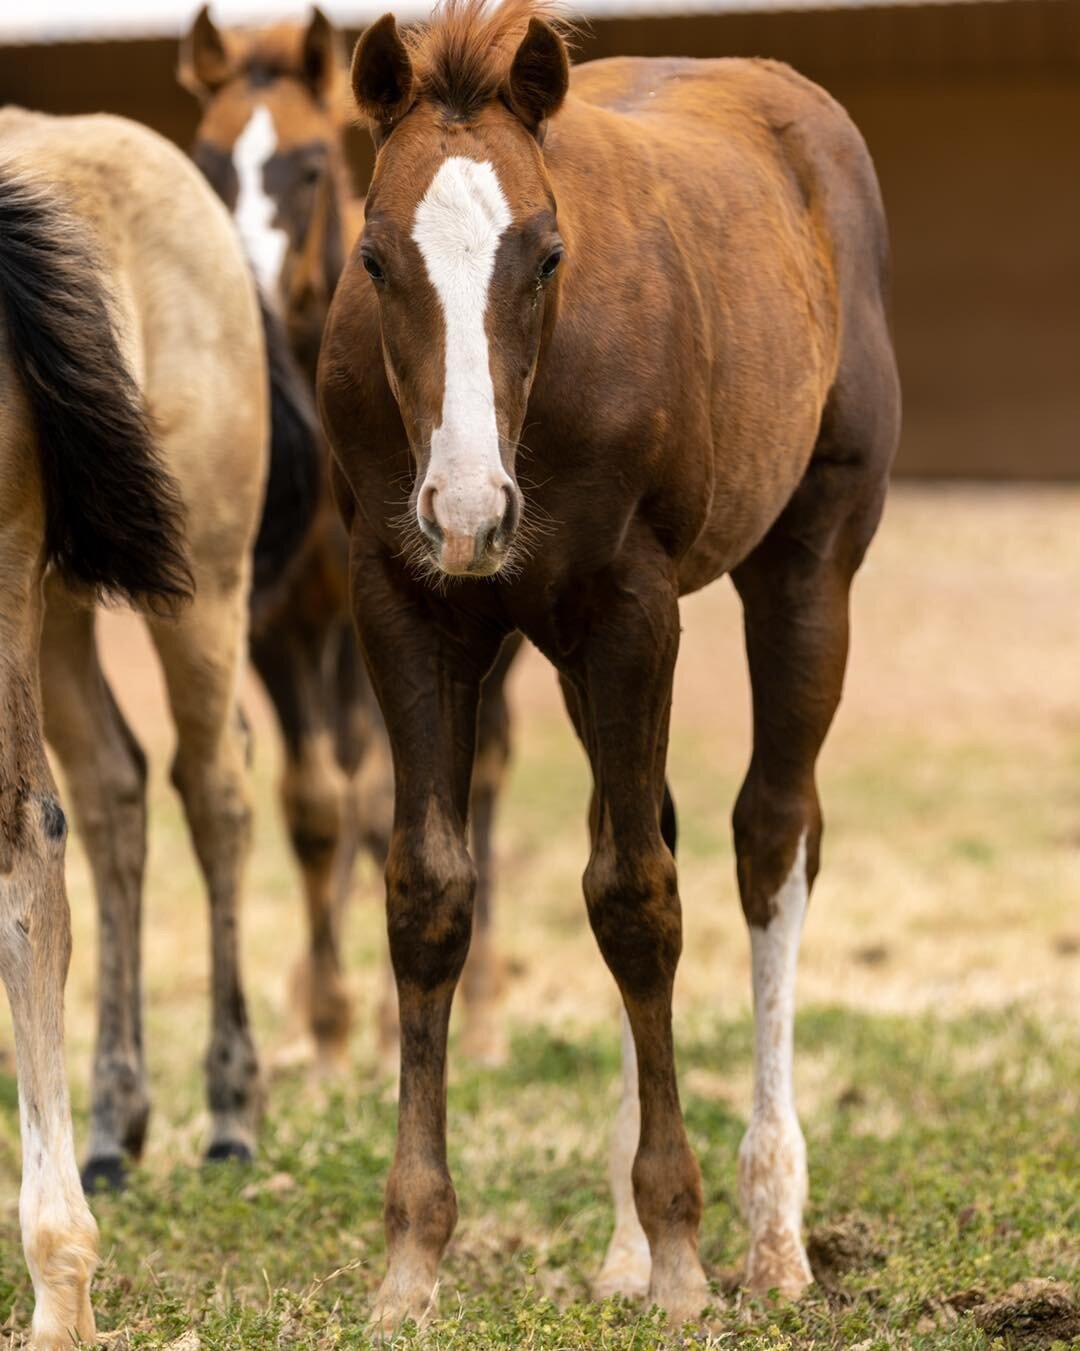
x,y
755,199
751,107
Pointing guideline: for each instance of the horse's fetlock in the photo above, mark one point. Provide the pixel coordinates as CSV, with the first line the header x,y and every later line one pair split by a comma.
x,y
422,1204
667,1189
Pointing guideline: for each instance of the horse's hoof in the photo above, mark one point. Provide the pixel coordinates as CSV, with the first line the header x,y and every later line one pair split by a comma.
x,y
222,1150
626,1270
778,1261
107,1173
680,1288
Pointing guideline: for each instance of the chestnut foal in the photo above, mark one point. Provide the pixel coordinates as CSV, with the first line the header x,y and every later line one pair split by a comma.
x,y
271,142
668,277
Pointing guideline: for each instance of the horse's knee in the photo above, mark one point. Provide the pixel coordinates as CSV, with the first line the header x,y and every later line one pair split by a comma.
x,y
110,800
430,885
633,903
313,796
35,922
215,793
769,822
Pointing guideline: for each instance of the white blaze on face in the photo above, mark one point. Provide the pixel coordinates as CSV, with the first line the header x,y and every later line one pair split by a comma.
x,y
772,1157
255,210
457,229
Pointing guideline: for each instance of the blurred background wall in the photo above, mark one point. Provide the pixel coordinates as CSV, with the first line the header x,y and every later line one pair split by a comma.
x,y
971,110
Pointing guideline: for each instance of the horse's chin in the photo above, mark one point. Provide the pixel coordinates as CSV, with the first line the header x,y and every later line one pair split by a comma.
x,y
487,566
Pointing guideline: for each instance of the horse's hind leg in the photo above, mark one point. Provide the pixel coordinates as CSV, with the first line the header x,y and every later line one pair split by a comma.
x,y
201,653
59,1233
105,771
794,589
483,1038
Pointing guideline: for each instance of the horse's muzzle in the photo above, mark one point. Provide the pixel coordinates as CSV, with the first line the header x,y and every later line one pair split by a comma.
x,y
473,543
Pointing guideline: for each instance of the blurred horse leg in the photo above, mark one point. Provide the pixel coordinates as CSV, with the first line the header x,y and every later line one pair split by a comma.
x,y
292,662
484,1035
105,773
201,653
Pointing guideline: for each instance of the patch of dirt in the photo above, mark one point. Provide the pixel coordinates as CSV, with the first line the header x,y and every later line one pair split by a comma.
x,y
846,1245
963,1301
1032,1313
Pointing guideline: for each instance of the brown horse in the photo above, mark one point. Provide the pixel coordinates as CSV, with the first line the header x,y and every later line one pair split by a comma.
x,y
271,142
660,284
102,395
187,330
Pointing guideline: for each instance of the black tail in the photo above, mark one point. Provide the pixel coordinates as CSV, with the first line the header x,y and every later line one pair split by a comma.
x,y
294,483
114,519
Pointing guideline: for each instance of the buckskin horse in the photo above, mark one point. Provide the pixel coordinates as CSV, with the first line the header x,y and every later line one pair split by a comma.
x,y
660,284
131,384
162,272
271,142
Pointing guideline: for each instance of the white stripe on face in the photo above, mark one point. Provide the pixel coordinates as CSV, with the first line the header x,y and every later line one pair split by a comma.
x,y
255,211
457,229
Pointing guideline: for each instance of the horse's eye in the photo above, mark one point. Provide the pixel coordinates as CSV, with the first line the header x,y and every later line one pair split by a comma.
x,y
372,268
550,264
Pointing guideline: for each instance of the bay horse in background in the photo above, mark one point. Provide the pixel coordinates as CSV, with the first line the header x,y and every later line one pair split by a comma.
x,y
183,366
271,142
112,422
669,277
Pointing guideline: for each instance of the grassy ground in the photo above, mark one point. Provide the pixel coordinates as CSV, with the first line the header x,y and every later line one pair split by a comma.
x,y
938,1064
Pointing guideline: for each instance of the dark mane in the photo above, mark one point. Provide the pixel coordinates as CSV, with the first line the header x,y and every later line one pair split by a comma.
x,y
461,57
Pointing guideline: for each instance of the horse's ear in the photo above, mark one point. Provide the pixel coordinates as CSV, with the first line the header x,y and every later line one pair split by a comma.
x,y
322,57
204,62
539,75
382,74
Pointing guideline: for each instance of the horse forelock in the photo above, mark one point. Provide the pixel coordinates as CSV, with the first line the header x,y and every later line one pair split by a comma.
x,y
462,56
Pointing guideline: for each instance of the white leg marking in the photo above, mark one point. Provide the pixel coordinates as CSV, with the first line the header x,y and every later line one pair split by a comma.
x,y
628,1263
255,210
458,225
59,1233
772,1157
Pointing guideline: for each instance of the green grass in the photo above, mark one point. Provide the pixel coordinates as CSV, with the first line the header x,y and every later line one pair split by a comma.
x,y
950,1149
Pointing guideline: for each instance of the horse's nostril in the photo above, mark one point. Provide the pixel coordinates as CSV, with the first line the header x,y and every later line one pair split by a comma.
x,y
425,515
430,529
512,515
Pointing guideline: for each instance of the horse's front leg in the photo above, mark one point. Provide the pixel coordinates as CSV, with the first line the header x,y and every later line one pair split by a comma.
x,y
428,683
622,678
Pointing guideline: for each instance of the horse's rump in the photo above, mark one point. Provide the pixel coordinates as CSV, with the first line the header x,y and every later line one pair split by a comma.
x,y
113,515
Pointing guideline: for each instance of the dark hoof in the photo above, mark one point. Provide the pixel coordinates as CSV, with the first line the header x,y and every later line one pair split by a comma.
x,y
108,1174
228,1149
